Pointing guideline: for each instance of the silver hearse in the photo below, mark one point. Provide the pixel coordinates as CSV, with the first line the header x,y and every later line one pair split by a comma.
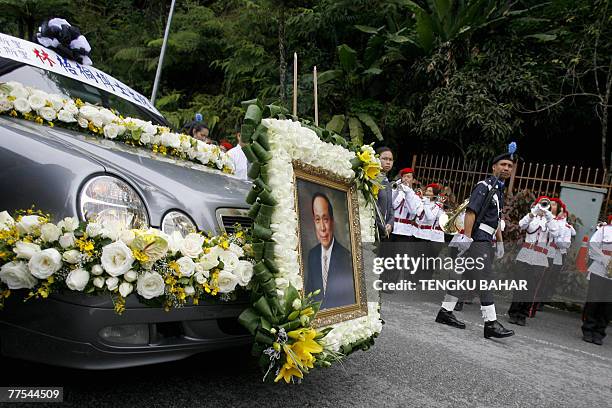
x,y
57,170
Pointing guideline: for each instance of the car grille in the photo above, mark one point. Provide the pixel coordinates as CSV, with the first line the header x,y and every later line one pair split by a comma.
x,y
227,218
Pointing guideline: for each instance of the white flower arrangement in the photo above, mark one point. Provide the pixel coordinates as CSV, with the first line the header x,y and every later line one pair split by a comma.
x,y
38,106
290,141
44,257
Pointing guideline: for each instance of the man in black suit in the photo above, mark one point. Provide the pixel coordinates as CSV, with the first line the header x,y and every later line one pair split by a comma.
x,y
330,267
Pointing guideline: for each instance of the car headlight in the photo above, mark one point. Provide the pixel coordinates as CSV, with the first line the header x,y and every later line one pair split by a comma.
x,y
177,221
106,198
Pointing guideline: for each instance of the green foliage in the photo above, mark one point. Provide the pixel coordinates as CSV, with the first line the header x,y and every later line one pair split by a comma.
x,y
461,76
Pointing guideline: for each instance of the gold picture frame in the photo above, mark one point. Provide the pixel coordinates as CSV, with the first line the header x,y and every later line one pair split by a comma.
x,y
318,176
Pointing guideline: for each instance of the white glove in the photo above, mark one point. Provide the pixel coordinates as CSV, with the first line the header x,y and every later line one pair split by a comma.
x,y
462,243
499,250
548,215
534,210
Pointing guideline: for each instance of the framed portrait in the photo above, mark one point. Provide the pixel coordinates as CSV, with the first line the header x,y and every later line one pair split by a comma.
x,y
329,243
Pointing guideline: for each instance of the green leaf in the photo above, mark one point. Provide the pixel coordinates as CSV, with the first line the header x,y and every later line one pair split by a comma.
x,y
355,130
253,115
369,122
336,124
424,28
348,58
373,71
330,75
542,37
368,29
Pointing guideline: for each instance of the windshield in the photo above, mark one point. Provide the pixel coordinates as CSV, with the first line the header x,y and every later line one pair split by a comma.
x,y
51,82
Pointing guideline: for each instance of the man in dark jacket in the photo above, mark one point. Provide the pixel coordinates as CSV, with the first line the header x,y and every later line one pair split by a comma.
x,y
330,267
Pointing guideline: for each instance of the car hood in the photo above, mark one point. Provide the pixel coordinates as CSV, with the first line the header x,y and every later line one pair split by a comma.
x,y
164,183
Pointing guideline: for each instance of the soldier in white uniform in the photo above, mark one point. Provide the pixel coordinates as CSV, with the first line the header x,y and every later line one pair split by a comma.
x,y
531,260
597,311
558,244
405,204
429,232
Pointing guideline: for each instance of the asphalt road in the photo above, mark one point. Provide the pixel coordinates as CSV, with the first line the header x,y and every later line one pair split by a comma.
x,y
415,363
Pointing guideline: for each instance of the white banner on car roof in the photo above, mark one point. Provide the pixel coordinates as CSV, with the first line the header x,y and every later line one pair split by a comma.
x,y
38,56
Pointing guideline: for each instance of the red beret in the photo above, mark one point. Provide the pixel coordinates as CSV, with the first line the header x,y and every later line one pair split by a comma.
x,y
540,198
227,145
609,218
434,185
406,171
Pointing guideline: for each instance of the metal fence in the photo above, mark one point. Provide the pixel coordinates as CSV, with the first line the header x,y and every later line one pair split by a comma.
x,y
541,178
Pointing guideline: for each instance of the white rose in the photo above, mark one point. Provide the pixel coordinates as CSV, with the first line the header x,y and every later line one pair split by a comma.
x,y
186,266
106,115
50,232
156,139
116,258
72,257
236,249
36,101
93,229
148,127
45,263
89,112
192,245
145,138
227,281
130,276
18,90
25,250
200,278
185,145
47,113
77,279
97,270
57,101
112,229
71,108
127,236
175,242
297,304
5,104
69,224
150,285
67,240
66,116
125,289
28,224
244,272
189,290
84,123
16,275
112,283
98,282
6,221
230,260
209,261
111,131
171,140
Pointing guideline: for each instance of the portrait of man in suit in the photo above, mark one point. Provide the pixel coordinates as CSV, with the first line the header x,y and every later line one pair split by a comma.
x,y
330,266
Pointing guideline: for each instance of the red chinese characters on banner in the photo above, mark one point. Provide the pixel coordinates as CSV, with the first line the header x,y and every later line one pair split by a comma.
x,y
43,56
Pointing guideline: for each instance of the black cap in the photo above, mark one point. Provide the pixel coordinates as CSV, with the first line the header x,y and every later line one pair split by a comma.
x,y
509,155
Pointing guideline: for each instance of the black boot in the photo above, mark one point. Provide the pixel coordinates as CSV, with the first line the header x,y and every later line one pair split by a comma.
x,y
446,317
495,329
587,336
459,306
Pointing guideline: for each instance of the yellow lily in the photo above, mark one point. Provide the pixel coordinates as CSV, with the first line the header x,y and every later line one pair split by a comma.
x,y
364,156
287,372
371,171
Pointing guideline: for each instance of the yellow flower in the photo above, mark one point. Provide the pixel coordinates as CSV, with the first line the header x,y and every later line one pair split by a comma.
x,y
39,120
375,190
365,156
162,150
13,113
140,256
371,171
78,102
239,234
306,341
174,266
287,372
307,312
225,244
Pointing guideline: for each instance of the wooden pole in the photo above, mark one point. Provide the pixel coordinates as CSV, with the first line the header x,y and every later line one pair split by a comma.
x,y
295,71
316,98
